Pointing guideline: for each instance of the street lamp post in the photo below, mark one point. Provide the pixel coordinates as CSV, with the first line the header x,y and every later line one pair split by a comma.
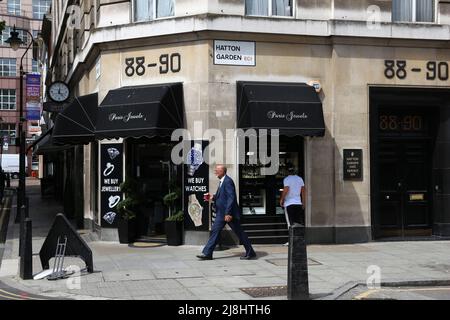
x,y
15,42
25,231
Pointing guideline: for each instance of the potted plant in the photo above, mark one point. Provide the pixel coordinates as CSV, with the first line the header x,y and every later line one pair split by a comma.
x,y
174,223
174,229
127,209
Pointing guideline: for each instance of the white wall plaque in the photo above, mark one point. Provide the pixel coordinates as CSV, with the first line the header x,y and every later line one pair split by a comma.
x,y
235,53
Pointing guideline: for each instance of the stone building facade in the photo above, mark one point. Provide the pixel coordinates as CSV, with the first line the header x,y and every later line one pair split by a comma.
x,y
381,74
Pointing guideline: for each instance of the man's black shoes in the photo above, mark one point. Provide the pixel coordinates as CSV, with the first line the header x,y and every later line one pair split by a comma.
x,y
204,257
249,257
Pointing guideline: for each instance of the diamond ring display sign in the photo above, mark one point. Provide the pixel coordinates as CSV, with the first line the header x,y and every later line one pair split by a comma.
x,y
111,176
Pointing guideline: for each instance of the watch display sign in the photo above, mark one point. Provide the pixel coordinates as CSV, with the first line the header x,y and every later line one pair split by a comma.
x,y
353,164
111,176
195,185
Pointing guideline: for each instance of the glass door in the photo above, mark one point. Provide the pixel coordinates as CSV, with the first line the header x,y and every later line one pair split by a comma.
x,y
260,195
153,171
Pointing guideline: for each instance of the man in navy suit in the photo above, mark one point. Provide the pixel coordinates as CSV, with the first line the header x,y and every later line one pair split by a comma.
x,y
227,211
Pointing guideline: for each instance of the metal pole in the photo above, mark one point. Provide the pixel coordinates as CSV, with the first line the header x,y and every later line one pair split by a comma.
x,y
21,151
22,138
22,141
22,229
26,259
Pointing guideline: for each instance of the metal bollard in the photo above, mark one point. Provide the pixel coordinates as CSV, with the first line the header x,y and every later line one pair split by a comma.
x,y
27,207
298,288
8,181
19,205
26,259
22,217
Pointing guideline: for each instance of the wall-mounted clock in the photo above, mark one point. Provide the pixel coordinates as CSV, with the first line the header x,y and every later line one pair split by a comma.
x,y
59,91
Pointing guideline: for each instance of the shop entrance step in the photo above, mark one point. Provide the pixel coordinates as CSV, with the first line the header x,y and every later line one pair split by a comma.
x,y
266,229
152,239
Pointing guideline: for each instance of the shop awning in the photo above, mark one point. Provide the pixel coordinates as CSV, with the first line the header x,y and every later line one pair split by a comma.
x,y
44,145
153,110
293,108
76,123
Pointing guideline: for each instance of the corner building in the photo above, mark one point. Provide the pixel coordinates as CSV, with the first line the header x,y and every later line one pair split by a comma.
x,y
358,91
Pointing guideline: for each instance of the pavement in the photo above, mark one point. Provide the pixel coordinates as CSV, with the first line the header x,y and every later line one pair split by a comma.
x,y
159,272
423,292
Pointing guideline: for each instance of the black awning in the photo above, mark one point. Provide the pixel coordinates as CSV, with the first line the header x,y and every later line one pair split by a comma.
x,y
153,110
292,108
46,146
76,124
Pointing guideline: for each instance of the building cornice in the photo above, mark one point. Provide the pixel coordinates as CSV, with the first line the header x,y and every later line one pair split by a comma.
x,y
254,28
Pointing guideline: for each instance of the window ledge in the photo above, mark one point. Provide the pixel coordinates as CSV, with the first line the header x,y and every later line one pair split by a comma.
x,y
414,23
270,17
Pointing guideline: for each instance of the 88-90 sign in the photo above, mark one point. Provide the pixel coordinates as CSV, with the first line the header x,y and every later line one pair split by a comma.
x,y
401,123
166,63
400,69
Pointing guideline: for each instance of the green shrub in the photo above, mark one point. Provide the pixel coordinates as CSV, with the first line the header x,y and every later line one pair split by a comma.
x,y
127,208
178,217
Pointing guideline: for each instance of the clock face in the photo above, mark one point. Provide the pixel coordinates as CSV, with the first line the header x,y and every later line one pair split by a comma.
x,y
59,92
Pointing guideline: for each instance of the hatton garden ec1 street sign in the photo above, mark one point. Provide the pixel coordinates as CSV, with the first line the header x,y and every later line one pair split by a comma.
x,y
235,53
353,164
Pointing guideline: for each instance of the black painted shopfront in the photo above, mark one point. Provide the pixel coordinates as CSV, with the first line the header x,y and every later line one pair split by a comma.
x,y
295,110
130,132
410,161
145,117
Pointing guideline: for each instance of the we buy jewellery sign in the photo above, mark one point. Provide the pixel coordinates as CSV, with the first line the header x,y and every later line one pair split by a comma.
x,y
33,96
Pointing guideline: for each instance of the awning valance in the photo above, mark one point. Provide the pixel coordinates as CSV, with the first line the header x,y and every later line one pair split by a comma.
x,y
76,123
153,110
292,108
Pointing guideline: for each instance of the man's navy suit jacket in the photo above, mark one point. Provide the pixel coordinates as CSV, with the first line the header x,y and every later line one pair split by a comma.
x,y
225,200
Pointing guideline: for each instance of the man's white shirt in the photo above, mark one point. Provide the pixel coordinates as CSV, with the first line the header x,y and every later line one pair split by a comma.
x,y
295,184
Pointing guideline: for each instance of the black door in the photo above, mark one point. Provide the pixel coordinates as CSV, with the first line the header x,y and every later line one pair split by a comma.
x,y
149,164
404,188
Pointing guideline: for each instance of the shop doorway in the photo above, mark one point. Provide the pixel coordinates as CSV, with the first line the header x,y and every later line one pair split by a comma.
x,y
259,196
402,147
149,164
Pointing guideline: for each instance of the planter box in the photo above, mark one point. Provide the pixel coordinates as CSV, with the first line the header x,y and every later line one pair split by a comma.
x,y
127,230
174,233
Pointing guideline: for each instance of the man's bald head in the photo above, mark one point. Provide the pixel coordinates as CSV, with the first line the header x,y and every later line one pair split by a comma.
x,y
220,170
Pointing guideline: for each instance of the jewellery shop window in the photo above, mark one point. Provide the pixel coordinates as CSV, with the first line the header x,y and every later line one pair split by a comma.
x,y
260,195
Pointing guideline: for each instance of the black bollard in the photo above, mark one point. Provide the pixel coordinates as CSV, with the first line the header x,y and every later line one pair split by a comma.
x,y
8,180
27,207
19,205
22,217
298,288
26,259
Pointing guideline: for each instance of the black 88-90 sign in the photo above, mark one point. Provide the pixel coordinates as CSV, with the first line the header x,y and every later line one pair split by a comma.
x,y
400,69
166,63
